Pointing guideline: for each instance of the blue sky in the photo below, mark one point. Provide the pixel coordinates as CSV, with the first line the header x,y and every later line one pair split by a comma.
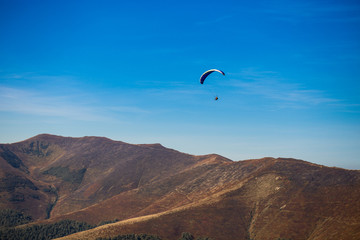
x,y
129,71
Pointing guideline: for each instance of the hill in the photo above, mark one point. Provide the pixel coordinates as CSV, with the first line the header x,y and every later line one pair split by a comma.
x,y
152,189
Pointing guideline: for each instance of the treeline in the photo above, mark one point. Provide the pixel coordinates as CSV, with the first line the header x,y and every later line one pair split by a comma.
x,y
44,231
11,218
184,236
132,237
189,236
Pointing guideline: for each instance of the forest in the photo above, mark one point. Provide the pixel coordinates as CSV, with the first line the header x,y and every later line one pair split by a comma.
x,y
184,236
9,219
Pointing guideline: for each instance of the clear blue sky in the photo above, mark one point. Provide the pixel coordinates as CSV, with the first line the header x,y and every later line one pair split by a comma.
x,y
129,71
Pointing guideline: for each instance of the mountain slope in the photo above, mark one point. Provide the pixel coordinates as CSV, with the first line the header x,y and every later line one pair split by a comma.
x,y
79,172
283,199
155,190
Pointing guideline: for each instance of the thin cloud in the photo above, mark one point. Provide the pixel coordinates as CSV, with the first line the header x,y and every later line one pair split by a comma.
x,y
214,21
336,12
127,109
271,86
35,103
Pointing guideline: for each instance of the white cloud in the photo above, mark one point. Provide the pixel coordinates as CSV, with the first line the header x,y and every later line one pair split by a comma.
x,y
271,86
35,103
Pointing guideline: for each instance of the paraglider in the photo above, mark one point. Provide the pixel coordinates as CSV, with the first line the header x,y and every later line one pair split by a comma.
x,y
206,74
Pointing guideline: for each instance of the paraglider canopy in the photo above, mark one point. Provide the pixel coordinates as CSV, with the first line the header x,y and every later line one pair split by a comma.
x,y
207,73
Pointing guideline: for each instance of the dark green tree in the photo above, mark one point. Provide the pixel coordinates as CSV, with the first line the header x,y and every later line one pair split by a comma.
x,y
186,236
12,218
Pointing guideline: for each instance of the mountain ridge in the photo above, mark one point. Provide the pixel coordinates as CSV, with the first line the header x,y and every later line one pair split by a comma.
x,y
153,189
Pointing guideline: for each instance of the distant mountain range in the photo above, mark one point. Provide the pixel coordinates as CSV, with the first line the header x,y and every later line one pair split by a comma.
x,y
155,190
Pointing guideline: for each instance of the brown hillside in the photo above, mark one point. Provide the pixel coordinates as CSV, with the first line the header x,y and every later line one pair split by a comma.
x,y
155,190
282,199
75,173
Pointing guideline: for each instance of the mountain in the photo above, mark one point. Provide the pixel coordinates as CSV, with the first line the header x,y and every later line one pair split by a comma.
x,y
152,189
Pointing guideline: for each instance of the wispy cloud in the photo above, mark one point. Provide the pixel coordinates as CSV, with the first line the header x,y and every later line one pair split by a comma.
x,y
127,109
62,96
79,106
329,12
214,21
36,103
271,86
